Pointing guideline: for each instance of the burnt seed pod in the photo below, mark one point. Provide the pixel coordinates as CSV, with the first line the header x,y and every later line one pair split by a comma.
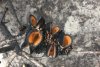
x,y
44,37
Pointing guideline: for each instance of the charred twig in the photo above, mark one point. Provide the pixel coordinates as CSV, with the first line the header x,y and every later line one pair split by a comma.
x,y
89,52
11,59
6,49
14,11
6,9
27,56
1,21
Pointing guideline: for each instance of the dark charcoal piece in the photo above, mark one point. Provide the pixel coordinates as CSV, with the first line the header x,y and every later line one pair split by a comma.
x,y
41,23
59,36
48,26
38,49
31,49
6,49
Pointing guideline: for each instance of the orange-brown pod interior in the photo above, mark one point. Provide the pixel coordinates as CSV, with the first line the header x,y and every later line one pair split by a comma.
x,y
35,38
52,51
55,29
66,41
33,20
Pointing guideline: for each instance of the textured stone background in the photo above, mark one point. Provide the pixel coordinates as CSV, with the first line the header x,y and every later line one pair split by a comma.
x,y
79,18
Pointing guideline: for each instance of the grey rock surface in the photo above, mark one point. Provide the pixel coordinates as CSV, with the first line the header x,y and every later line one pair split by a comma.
x,y
79,18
